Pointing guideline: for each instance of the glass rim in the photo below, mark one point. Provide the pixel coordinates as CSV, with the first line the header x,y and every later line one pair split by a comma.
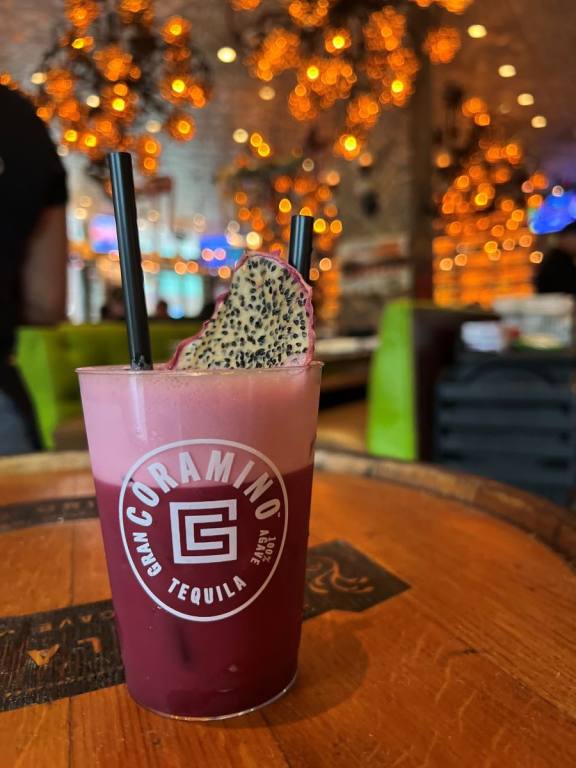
x,y
125,370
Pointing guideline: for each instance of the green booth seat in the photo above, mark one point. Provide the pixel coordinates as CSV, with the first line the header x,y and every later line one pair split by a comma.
x,y
47,359
391,428
417,341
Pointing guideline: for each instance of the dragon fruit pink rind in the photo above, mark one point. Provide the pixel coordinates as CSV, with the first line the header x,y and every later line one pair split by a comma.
x,y
264,321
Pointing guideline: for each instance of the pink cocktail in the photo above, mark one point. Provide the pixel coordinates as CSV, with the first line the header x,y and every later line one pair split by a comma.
x,y
203,482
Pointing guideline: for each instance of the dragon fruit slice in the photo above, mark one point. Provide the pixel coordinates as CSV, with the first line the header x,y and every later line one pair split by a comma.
x,y
264,321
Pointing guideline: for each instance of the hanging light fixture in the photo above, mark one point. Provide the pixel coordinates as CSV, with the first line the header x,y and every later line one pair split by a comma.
x,y
114,79
359,53
267,191
485,200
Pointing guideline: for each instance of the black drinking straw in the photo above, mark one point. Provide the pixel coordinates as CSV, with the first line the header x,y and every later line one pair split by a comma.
x,y
300,247
124,199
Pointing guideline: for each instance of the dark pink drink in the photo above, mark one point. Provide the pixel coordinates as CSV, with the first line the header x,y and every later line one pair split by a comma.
x,y
203,484
177,667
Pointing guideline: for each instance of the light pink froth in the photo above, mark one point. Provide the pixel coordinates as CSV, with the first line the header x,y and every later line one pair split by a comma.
x,y
129,414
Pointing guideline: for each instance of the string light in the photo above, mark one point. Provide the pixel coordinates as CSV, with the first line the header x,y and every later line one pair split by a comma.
x,y
314,274
71,136
245,5
309,13
337,40
453,6
525,99
365,160
477,31
82,43
267,93
240,136
483,119
443,160
175,29
507,70
539,121
181,126
226,54
199,222
348,146
253,240
442,44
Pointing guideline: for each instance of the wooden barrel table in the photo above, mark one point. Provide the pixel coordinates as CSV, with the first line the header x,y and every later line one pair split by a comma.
x,y
439,632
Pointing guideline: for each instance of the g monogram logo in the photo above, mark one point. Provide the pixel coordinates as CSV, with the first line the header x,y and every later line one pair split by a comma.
x,y
200,537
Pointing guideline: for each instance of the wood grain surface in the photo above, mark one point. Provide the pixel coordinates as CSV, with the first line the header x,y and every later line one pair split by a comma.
x,y
473,667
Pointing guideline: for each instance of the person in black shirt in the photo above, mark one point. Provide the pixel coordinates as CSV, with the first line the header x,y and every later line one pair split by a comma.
x,y
557,273
33,252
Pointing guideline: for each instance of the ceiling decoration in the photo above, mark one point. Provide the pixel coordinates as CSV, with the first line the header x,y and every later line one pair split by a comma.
x,y
113,79
352,60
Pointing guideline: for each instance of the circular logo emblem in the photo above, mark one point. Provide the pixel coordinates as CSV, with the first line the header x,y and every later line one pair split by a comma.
x,y
203,524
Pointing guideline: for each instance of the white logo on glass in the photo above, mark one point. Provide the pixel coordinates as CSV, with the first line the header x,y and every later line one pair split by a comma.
x,y
203,544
